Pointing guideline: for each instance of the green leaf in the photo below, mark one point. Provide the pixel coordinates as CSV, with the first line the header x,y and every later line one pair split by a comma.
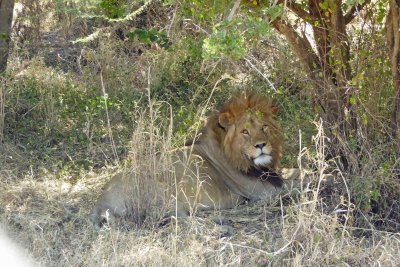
x,y
4,36
324,5
273,12
364,119
150,36
352,100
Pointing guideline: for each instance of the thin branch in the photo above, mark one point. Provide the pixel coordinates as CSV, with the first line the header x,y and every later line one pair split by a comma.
x,y
351,14
173,19
133,14
110,133
260,72
234,8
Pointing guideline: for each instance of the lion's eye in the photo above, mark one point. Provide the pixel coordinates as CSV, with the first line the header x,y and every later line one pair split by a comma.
x,y
245,132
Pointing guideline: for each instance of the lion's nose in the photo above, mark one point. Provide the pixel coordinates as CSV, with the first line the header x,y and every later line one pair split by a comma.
x,y
260,145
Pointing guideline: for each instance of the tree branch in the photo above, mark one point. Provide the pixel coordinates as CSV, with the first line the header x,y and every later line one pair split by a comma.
x,y
352,12
300,45
296,8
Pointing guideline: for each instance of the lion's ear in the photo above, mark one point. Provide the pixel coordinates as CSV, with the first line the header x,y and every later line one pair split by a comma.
x,y
225,120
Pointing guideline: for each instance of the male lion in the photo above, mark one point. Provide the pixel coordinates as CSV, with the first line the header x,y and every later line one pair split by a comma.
x,y
235,158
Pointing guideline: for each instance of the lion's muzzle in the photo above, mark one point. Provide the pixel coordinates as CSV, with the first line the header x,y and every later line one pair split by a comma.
x,y
263,155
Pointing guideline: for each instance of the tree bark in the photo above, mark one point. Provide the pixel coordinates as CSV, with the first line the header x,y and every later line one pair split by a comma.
x,y
6,15
393,38
329,66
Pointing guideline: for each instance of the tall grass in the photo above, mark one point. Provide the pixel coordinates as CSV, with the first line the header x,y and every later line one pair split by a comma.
x,y
148,171
48,217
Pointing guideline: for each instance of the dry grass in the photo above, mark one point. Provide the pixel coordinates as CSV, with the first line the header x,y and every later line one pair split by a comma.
x,y
46,213
48,217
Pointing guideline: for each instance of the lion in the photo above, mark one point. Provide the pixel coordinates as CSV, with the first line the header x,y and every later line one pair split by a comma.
x,y
235,158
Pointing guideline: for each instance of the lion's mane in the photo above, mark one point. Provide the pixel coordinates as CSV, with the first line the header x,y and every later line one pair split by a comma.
x,y
235,108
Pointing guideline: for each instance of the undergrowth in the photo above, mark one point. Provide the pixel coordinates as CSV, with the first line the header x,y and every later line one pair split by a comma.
x,y
48,216
137,89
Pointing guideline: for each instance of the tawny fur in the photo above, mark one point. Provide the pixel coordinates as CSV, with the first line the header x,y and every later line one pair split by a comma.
x,y
235,158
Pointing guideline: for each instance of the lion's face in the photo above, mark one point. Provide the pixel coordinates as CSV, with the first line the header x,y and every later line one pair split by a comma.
x,y
252,136
251,139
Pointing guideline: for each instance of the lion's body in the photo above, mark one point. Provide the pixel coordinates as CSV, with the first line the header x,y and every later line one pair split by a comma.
x,y
235,158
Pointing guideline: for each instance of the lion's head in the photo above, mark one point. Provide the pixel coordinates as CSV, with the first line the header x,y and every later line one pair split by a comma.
x,y
248,133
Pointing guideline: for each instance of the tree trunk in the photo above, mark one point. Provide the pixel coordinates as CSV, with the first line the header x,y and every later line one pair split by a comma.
x,y
329,66
393,38
6,15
